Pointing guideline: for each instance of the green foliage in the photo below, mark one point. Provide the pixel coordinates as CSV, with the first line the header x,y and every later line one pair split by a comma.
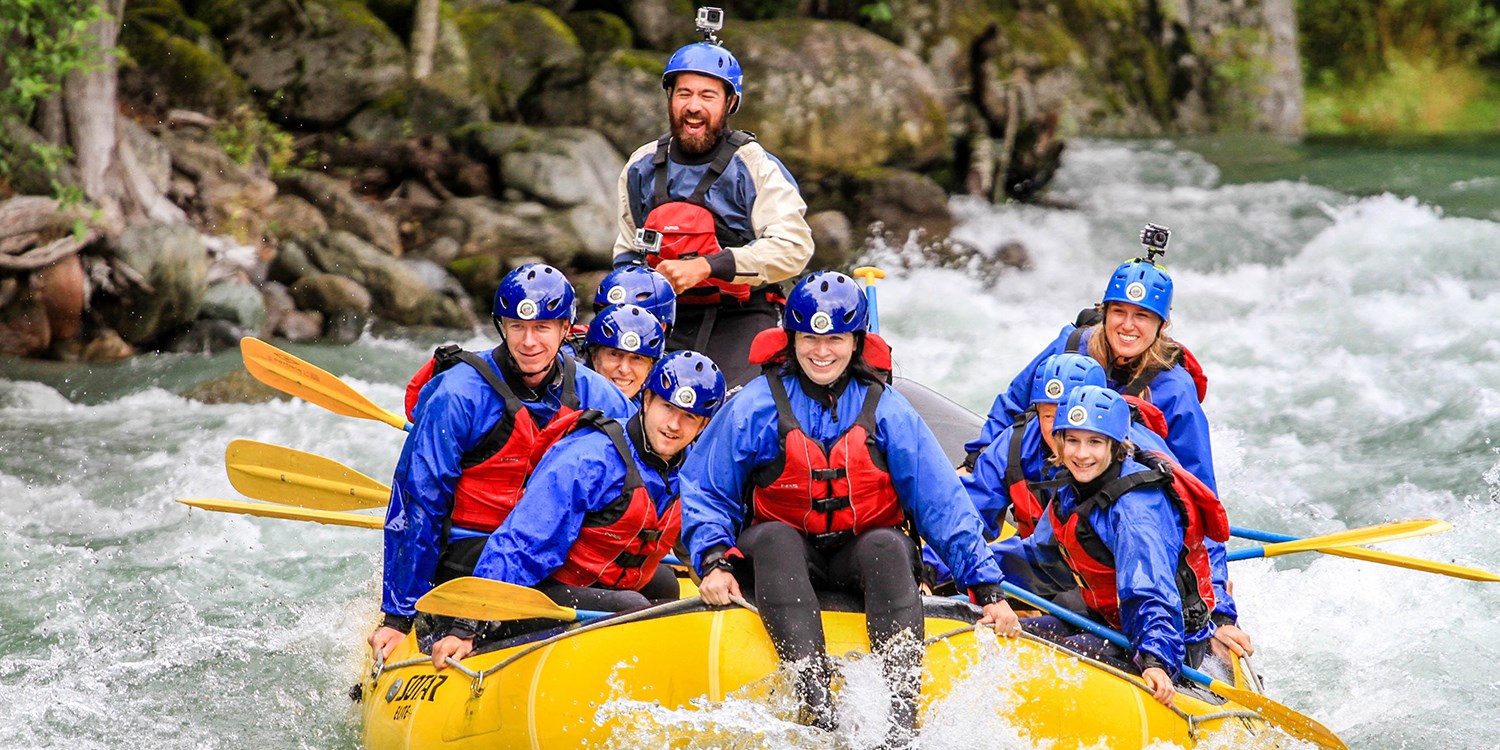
x,y
1346,43
44,41
1410,97
247,136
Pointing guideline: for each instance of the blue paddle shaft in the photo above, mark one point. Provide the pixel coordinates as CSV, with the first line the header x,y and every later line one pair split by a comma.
x,y
1079,621
1257,535
874,308
1246,554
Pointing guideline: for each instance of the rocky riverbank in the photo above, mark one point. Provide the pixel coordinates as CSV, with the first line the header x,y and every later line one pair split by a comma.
x,y
319,186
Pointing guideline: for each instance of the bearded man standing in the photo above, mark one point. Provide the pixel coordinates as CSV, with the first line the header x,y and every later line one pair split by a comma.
x,y
713,211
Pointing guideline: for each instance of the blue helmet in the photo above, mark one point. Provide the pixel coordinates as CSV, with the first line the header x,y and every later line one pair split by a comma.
x,y
1144,284
1060,374
638,285
536,291
826,302
710,60
629,328
1095,409
689,381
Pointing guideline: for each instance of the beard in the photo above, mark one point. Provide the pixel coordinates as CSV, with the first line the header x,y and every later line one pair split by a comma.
x,y
700,143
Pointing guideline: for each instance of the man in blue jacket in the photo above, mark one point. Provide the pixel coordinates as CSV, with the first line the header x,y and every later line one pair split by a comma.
x,y
601,509
480,420
724,217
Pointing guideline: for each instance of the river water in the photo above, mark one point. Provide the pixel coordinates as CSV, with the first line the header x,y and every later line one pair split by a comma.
x,y
1351,338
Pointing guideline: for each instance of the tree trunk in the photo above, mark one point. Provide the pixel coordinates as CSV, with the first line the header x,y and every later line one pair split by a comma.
x,y
424,37
107,168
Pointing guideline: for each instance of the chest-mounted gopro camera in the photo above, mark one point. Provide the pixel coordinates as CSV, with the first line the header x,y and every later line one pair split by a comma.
x,y
1154,238
647,241
710,22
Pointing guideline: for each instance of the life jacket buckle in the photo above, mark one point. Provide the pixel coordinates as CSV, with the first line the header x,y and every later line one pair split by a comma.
x,y
828,475
831,504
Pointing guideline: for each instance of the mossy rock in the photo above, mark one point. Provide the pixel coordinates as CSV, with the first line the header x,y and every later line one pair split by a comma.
x,y
625,100
599,33
398,15
313,61
518,51
170,70
829,97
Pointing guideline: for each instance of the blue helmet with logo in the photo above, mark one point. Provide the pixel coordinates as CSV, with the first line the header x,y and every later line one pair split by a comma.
x,y
1144,284
705,58
1060,374
638,285
1095,409
536,291
629,328
826,302
689,381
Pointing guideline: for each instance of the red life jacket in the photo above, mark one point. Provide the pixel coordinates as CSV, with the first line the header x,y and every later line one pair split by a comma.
x,y
1149,414
829,496
688,229
1093,563
1028,499
768,345
495,469
621,544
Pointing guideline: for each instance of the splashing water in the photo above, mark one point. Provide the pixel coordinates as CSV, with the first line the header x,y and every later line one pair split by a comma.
x,y
1351,346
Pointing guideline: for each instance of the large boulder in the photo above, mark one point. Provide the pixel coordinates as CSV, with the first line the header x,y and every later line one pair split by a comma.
x,y
517,51
828,96
484,227
240,304
399,294
315,61
626,103
173,261
235,197
902,202
342,208
24,329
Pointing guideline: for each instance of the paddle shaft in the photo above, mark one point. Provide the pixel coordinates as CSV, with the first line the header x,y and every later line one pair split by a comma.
x,y
1297,724
1377,556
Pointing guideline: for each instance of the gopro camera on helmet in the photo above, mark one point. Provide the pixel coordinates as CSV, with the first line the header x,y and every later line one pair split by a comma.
x,y
1154,238
647,241
710,20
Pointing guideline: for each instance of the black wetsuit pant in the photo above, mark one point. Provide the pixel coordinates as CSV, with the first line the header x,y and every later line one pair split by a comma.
x,y
724,332
785,568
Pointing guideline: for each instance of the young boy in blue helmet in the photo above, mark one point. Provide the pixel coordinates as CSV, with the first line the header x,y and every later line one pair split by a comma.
x,y
480,421
724,217
1017,471
1128,537
808,478
601,509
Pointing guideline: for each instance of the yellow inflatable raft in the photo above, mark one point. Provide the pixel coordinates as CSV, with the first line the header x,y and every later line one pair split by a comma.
x,y
547,690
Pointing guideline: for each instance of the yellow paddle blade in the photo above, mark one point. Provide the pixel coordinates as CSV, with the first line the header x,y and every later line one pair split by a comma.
x,y
1298,725
1385,532
1416,563
486,599
282,511
292,477
310,383
868,273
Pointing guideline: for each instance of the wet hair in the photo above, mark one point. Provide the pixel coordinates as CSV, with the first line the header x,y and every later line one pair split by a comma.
x,y
858,368
1163,353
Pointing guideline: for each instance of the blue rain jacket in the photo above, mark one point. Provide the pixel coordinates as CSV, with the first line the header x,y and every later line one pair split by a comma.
x,y
454,412
579,475
716,477
1142,531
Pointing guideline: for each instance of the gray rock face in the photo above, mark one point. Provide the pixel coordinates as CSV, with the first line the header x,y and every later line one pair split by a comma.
x,y
332,294
653,21
904,202
240,304
828,96
487,227
154,158
290,217
565,167
398,293
318,60
343,209
833,239
174,261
